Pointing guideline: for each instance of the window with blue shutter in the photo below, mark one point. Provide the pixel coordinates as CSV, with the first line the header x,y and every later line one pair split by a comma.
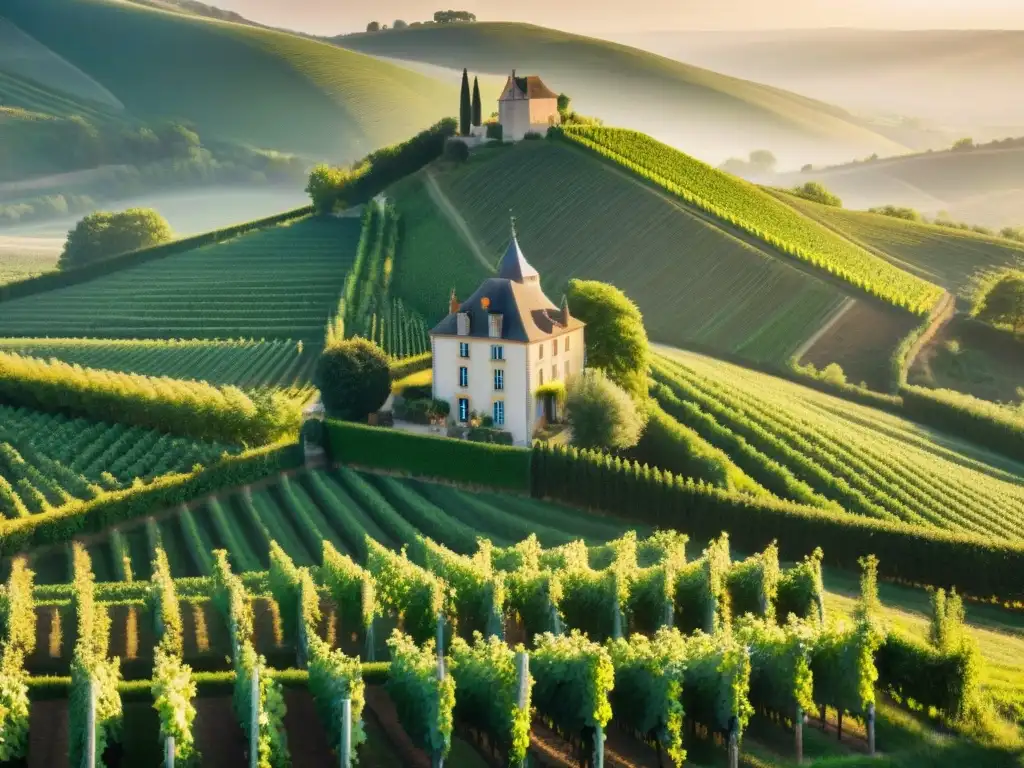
x,y
497,352
463,409
463,376
499,380
463,349
499,413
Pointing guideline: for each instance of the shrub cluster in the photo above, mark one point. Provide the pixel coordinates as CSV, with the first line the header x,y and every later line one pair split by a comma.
x,y
980,421
229,596
330,188
425,700
18,619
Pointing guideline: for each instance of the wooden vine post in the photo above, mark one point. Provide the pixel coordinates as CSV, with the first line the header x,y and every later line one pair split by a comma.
x,y
871,729
169,752
90,729
734,743
437,758
254,718
798,729
345,745
522,698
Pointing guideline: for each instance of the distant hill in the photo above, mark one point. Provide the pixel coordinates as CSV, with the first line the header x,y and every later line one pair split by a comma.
x,y
980,186
961,78
942,255
697,283
707,114
242,83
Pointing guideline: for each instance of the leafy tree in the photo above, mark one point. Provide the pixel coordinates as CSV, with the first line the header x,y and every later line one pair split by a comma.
x,y
615,335
373,26
1013,233
477,106
564,101
450,17
354,379
1003,302
818,192
897,212
323,185
601,413
103,234
399,24
807,168
465,106
763,159
963,145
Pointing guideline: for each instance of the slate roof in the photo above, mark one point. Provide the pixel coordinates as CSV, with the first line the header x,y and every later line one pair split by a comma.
x,y
527,314
531,87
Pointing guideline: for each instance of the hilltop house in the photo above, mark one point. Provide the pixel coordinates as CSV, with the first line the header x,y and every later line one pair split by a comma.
x,y
526,105
493,351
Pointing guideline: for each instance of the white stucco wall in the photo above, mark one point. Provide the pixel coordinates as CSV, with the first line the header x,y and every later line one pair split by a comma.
x,y
481,393
514,117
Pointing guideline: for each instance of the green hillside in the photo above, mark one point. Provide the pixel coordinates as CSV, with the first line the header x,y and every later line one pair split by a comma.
x,y
282,282
714,116
941,255
796,441
695,282
256,86
578,217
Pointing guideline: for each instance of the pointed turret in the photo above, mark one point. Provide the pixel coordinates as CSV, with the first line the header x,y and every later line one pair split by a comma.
x,y
563,311
514,265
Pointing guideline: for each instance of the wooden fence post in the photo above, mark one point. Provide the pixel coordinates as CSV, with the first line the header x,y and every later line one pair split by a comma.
x,y
345,747
734,743
798,725
169,752
871,729
254,718
90,731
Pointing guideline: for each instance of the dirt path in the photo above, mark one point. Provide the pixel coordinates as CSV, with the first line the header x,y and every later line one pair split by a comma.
x,y
456,219
845,307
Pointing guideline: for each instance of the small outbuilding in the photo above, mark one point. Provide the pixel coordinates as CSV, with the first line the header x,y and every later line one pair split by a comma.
x,y
526,105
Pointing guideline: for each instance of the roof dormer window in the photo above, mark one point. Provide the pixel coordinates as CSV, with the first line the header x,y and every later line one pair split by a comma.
x,y
462,324
494,325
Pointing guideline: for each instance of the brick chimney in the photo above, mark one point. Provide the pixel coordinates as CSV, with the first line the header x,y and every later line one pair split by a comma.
x,y
453,303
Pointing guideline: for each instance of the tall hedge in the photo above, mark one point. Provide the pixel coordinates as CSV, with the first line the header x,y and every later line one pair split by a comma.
x,y
975,565
497,466
987,424
116,507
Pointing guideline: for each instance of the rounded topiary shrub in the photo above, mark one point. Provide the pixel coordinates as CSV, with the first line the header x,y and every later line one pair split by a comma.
x,y
354,379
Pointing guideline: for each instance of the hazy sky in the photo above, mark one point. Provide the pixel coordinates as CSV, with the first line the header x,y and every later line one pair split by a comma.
x,y
331,16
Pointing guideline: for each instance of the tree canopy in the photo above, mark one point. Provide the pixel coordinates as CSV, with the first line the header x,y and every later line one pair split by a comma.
x,y
373,26
1001,300
104,234
615,335
465,106
354,379
450,17
818,193
477,105
601,414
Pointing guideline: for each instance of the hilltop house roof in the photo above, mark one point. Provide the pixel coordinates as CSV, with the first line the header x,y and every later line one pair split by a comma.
x,y
530,87
515,294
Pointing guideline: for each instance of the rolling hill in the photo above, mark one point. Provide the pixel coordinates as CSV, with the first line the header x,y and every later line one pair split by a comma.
x,y
255,86
953,76
982,186
697,282
710,115
942,255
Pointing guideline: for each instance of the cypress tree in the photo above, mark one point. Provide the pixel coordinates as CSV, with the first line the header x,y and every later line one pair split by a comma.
x,y
465,109
477,107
